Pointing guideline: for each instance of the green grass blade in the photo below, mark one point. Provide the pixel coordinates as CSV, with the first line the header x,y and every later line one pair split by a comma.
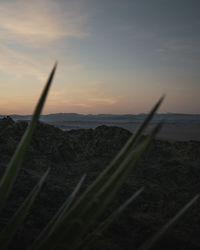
x,y
57,217
91,238
165,229
146,121
18,218
106,193
129,146
13,167
68,202
82,215
107,173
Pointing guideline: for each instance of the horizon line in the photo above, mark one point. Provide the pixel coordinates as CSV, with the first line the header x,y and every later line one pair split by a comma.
x,y
96,114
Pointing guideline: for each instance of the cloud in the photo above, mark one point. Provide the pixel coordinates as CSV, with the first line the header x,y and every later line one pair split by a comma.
x,y
81,105
18,64
80,99
103,100
27,28
39,21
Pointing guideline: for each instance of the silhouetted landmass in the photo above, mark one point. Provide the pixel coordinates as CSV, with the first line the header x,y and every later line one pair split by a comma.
x,y
177,127
170,172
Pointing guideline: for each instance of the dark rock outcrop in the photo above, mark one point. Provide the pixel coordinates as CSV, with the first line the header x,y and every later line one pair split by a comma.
x,y
170,171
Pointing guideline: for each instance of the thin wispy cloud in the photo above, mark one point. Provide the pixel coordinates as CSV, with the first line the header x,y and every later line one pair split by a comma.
x,y
87,96
18,64
40,21
103,100
27,28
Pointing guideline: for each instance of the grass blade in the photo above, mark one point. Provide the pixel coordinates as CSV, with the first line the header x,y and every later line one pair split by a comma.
x,y
165,229
91,238
68,202
13,167
129,146
83,214
107,173
146,121
57,217
18,218
106,193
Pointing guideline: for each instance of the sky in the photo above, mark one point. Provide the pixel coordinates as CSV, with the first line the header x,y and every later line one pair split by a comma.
x,y
113,56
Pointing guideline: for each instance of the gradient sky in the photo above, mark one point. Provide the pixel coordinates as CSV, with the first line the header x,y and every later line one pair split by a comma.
x,y
114,56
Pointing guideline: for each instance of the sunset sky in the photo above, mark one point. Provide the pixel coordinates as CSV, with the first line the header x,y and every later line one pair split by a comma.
x,y
114,56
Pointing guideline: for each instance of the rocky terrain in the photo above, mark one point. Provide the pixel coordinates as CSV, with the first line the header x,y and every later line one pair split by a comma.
x,y
170,172
177,127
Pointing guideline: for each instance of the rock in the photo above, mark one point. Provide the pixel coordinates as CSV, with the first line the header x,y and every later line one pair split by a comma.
x,y
169,171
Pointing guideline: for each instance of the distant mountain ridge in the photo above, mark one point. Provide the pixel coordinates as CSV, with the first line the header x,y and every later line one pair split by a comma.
x,y
94,116
176,126
168,117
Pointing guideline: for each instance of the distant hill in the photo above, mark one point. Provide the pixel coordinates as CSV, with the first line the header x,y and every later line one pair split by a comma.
x,y
177,126
100,117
